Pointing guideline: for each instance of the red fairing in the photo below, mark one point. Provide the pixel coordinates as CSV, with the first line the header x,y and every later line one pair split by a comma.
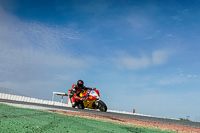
x,y
73,85
97,92
92,98
73,100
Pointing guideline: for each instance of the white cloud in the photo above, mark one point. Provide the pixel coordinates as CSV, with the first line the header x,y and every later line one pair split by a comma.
x,y
178,79
133,63
172,80
34,51
15,32
158,57
138,21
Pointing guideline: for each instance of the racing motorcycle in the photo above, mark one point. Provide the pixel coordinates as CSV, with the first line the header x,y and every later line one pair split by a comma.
x,y
91,101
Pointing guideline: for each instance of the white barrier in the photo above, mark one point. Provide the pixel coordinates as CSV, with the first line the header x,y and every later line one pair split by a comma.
x,y
31,100
8,96
11,97
3,96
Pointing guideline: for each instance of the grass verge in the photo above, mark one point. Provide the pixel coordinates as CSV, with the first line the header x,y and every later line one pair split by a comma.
x,y
15,120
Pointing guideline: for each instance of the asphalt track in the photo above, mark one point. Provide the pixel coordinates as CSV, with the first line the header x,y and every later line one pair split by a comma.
x,y
112,114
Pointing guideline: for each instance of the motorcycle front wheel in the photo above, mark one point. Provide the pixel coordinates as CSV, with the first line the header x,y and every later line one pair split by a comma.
x,y
102,106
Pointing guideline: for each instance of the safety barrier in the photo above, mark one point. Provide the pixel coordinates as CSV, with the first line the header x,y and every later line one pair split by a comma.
x,y
31,100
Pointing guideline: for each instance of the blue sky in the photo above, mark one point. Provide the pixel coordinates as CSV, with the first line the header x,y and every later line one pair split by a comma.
x,y
140,54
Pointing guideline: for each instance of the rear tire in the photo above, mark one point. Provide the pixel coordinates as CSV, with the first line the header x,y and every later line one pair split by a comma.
x,y
102,106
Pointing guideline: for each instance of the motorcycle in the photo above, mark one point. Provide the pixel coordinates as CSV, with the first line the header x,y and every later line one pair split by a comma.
x,y
91,101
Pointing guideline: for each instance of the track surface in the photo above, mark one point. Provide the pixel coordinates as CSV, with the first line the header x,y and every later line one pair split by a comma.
x,y
111,114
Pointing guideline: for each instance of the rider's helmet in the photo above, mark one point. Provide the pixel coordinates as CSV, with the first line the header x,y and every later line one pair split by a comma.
x,y
80,83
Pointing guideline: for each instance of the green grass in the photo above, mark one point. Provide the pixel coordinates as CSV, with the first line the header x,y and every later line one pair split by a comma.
x,y
21,120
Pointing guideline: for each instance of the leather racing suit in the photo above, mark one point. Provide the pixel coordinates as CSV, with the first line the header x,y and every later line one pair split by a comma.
x,y
75,93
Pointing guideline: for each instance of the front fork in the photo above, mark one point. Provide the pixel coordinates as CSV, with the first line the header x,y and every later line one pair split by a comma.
x,y
96,103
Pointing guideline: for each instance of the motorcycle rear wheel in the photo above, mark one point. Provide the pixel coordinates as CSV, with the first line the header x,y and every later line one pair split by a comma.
x,y
102,106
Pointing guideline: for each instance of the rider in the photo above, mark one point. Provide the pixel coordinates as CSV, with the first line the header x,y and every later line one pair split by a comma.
x,y
76,90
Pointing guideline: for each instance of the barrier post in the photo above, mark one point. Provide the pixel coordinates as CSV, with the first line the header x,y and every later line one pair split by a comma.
x,y
134,111
68,98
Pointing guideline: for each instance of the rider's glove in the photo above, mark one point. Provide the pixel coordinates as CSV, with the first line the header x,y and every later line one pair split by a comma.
x,y
82,98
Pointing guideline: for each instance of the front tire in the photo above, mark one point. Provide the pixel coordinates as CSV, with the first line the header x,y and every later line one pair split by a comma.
x,y
102,106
